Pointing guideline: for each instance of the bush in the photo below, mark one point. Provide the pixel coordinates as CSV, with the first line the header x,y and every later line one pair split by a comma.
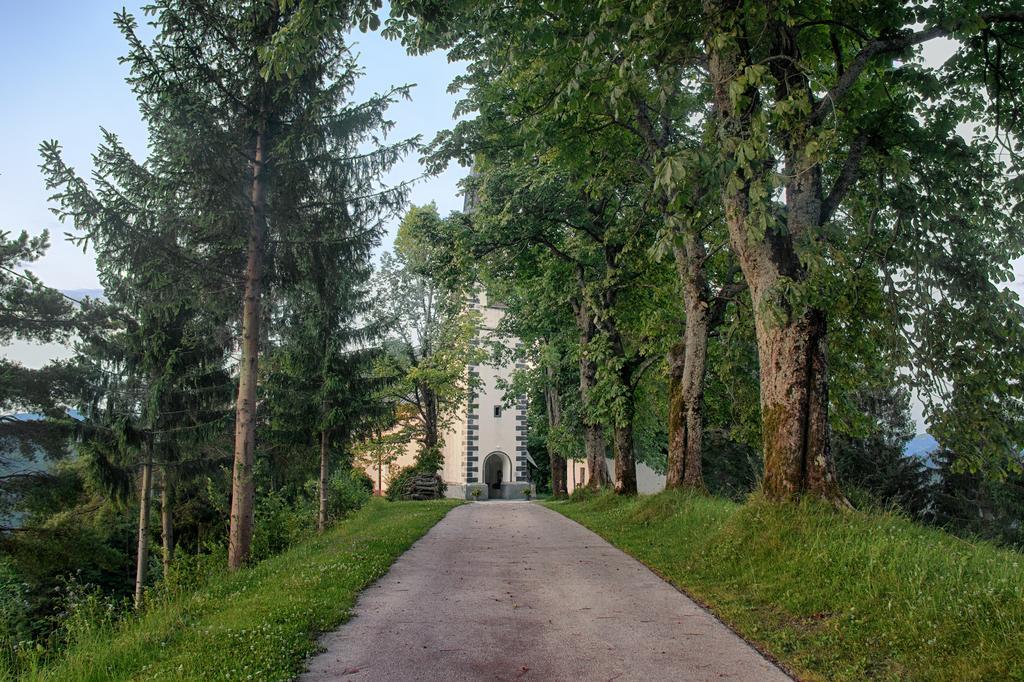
x,y
279,524
348,491
190,572
582,493
429,460
399,483
86,611
363,479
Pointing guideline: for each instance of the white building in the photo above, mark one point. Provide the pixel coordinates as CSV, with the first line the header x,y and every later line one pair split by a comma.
x,y
485,444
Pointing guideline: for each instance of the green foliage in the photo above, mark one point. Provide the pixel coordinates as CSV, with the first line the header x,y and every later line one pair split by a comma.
x,y
350,490
429,460
70,536
731,469
832,595
28,308
267,617
280,524
870,456
380,453
431,332
362,479
399,482
975,505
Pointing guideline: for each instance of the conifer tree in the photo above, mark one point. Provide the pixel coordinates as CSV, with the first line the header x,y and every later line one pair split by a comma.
x,y
158,345
29,310
258,161
324,394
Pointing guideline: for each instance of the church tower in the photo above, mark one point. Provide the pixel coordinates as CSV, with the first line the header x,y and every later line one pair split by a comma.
x,y
485,448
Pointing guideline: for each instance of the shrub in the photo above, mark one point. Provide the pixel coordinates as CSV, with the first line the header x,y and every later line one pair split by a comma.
x,y
583,493
362,478
429,460
348,492
279,524
86,611
192,571
399,483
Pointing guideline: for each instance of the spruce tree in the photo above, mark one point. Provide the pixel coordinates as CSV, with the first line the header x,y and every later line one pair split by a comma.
x,y
261,158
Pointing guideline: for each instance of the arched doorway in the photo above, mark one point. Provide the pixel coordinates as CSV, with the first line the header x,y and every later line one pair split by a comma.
x,y
497,472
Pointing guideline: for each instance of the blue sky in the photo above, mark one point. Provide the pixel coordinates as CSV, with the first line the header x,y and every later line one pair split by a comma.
x,y
61,80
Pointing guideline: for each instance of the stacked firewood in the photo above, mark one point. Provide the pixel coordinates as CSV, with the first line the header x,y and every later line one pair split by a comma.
x,y
424,487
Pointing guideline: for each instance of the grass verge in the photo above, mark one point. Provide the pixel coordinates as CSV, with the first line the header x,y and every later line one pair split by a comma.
x,y
831,595
262,622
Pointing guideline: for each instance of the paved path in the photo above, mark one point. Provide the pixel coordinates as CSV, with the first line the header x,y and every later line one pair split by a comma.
x,y
514,591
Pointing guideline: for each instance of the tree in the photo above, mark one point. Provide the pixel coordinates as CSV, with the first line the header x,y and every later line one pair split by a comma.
x,y
251,131
29,310
381,452
797,113
975,505
433,334
575,84
871,459
321,379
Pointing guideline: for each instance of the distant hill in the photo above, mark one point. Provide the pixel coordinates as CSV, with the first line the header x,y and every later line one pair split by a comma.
x,y
79,294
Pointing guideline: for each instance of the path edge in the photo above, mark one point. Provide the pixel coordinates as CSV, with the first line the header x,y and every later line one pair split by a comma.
x,y
704,606
320,648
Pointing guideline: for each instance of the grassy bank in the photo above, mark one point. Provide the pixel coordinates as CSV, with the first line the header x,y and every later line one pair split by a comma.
x,y
831,595
260,623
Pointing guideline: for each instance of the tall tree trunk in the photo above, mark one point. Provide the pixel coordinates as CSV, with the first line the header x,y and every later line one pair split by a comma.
x,y
142,545
794,408
791,343
167,521
559,467
242,483
597,462
553,402
321,519
687,371
625,462
593,433
675,469
431,430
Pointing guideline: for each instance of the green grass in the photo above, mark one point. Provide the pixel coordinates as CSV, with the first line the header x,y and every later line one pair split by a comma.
x,y
262,622
831,595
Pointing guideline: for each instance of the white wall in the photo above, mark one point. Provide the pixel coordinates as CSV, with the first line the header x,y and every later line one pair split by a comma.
x,y
648,481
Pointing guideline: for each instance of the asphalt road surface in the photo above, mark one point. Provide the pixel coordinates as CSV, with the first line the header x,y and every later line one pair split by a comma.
x,y
514,591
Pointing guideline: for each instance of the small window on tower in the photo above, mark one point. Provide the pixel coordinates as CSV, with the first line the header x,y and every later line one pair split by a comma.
x,y
497,410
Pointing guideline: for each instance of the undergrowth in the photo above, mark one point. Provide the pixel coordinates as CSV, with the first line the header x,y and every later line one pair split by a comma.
x,y
257,624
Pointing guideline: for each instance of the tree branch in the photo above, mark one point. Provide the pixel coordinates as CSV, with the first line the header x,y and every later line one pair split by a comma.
x,y
847,178
889,46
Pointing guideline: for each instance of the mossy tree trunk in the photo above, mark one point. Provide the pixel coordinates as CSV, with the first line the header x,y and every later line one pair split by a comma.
x,y
553,404
791,341
687,365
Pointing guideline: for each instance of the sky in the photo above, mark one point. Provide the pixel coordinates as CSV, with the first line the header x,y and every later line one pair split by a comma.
x,y
61,80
